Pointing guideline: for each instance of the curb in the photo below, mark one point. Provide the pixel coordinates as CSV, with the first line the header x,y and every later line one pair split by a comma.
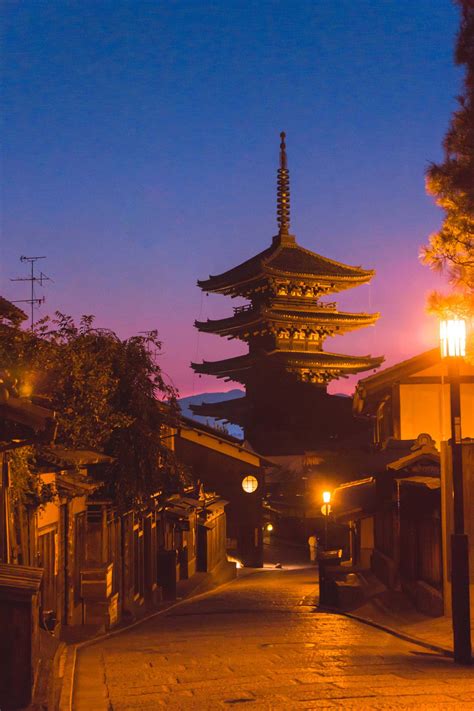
x,y
390,630
68,677
65,698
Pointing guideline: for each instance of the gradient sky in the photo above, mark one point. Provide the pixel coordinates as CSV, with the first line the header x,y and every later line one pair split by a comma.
x,y
140,147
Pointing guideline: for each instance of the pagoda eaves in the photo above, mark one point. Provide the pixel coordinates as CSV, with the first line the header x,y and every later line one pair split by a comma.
x,y
231,411
248,322
318,367
285,266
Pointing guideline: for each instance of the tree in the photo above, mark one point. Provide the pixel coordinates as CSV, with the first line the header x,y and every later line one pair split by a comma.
x,y
109,394
451,183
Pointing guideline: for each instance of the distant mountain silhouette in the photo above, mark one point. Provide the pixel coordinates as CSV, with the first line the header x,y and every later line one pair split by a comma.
x,y
185,403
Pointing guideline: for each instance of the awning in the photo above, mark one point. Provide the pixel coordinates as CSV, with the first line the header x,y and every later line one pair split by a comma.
x,y
357,482
75,485
36,418
208,524
430,482
216,506
178,512
61,456
354,500
189,501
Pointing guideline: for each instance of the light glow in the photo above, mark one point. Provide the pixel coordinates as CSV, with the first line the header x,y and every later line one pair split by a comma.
x,y
249,484
452,334
326,496
238,563
26,389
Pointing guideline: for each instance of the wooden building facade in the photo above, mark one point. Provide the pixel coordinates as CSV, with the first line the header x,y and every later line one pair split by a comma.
x,y
408,511
227,465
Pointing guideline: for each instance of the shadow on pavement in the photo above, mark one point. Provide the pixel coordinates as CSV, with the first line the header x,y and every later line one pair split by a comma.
x,y
288,555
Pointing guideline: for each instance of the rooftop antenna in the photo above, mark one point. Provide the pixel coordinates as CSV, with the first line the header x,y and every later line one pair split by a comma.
x,y
33,279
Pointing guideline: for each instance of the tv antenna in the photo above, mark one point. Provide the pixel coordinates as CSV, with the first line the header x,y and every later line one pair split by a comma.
x,y
33,279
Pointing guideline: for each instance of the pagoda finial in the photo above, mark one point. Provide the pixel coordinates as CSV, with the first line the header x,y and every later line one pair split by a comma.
x,y
283,191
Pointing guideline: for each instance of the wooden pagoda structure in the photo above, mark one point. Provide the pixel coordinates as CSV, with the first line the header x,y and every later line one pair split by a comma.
x,y
286,371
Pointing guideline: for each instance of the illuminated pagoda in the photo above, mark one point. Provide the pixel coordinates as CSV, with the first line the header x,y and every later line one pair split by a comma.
x,y
286,407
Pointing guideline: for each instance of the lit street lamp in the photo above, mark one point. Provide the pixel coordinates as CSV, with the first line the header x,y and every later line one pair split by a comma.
x,y
453,348
326,510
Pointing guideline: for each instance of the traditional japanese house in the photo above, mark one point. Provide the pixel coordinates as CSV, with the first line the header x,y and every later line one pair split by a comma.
x,y
286,408
398,505
58,541
212,534
412,397
22,423
136,558
227,465
407,525
120,575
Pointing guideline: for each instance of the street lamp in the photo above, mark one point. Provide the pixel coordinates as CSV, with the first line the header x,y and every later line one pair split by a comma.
x,y
453,348
326,508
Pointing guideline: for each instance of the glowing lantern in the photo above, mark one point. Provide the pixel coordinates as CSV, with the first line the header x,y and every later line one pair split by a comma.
x,y
249,484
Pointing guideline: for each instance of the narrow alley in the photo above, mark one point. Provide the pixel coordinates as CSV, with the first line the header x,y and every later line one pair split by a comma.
x,y
260,641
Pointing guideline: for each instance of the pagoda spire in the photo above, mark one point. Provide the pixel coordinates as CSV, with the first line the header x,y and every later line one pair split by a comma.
x,y
283,195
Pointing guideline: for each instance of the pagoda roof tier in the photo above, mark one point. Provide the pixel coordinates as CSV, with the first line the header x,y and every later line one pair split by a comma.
x,y
286,260
256,320
232,411
317,367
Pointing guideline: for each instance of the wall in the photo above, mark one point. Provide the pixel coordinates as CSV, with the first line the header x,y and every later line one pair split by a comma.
x,y
424,407
424,403
366,540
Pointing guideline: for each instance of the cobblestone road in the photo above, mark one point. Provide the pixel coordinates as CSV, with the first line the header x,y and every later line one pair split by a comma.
x,y
258,643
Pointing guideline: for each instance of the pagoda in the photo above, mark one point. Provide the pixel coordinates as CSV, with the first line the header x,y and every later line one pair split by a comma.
x,y
286,408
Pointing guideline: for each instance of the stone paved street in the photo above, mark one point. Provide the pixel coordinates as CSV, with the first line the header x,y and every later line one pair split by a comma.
x,y
259,643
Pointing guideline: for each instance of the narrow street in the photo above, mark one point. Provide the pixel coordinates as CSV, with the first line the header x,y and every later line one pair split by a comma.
x,y
259,642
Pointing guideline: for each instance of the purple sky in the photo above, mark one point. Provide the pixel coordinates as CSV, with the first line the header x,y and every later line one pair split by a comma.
x,y
141,146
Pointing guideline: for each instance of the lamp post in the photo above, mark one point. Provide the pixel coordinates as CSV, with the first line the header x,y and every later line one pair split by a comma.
x,y
453,349
326,500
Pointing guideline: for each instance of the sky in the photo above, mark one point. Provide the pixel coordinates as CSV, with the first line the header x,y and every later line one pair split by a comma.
x,y
140,148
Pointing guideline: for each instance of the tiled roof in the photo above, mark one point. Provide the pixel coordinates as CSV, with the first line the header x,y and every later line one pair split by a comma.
x,y
235,368
11,312
265,315
247,270
227,410
285,259
296,259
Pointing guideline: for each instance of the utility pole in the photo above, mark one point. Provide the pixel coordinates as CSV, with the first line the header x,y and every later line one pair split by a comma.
x,y
453,348
33,279
461,610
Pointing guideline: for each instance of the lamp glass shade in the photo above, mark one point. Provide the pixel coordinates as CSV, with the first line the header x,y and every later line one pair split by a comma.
x,y
326,496
249,484
452,334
